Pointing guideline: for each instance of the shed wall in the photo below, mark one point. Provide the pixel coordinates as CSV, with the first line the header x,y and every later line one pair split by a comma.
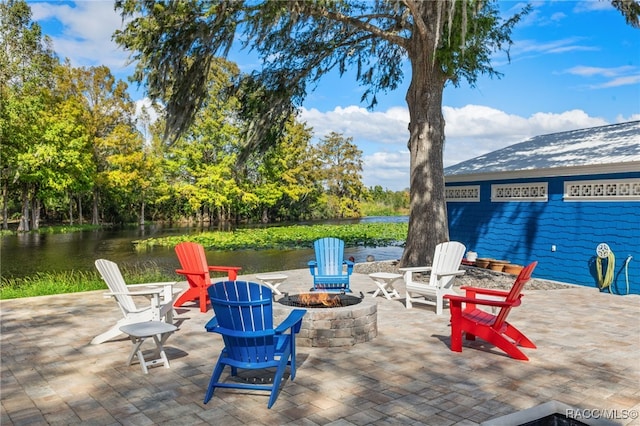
x,y
524,231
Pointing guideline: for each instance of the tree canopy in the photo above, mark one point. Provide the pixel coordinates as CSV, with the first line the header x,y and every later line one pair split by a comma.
x,y
447,41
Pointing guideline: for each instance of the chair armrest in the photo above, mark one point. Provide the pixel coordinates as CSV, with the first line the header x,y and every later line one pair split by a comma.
x,y
416,269
149,292
185,272
454,273
458,300
487,291
349,266
153,285
212,324
312,266
294,320
471,300
224,268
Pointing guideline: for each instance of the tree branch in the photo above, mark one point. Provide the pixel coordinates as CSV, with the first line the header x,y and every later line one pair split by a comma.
x,y
359,23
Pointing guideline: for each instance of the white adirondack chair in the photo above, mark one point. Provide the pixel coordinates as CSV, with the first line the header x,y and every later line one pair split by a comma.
x,y
443,271
159,308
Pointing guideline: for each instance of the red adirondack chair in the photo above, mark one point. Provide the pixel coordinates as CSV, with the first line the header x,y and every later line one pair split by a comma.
x,y
197,271
494,329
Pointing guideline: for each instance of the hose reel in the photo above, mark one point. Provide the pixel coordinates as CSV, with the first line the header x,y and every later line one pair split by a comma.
x,y
604,252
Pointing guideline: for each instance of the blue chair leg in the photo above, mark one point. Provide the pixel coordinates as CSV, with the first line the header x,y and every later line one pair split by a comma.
x,y
215,377
278,378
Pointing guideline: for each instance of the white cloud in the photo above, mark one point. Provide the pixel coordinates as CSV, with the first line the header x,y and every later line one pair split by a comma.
x,y
592,6
470,131
388,127
86,30
625,75
387,169
632,117
595,71
150,108
555,46
630,80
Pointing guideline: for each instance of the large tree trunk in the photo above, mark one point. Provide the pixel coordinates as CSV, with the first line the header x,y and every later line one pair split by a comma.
x,y
94,214
23,226
70,209
141,218
5,206
428,211
35,214
80,218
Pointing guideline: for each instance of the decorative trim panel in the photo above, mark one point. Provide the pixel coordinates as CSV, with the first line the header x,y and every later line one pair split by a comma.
x,y
535,191
466,193
602,190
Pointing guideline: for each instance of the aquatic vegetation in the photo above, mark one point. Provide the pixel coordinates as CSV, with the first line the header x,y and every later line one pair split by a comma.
x,y
287,237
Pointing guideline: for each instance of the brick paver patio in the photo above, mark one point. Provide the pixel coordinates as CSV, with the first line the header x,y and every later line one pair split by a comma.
x,y
588,357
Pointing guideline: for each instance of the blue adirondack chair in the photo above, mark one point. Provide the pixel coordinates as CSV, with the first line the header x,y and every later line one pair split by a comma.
x,y
327,270
244,318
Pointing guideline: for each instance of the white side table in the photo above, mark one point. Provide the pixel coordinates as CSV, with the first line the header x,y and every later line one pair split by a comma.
x,y
140,331
384,281
272,281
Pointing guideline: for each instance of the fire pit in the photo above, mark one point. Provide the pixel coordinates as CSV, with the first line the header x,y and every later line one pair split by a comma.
x,y
332,319
320,300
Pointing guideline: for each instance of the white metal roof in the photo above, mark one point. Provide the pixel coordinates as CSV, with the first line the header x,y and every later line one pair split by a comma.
x,y
615,146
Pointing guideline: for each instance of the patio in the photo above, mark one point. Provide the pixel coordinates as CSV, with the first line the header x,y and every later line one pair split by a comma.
x,y
587,357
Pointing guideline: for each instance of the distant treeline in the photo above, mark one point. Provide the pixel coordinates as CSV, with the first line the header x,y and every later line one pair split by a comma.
x,y
75,150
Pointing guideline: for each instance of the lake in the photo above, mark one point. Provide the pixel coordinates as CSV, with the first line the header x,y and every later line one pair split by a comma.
x,y
27,254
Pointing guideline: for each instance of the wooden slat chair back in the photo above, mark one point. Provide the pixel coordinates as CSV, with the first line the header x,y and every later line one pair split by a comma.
x,y
442,273
327,269
244,317
474,322
158,308
197,271
514,298
446,258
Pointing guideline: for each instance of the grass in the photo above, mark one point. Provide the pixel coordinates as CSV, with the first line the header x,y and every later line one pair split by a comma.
x,y
49,283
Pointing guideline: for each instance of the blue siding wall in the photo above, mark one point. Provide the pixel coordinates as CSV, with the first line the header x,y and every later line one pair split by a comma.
x,y
522,232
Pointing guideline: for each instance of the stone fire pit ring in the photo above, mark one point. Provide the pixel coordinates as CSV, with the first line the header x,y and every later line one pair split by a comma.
x,y
334,327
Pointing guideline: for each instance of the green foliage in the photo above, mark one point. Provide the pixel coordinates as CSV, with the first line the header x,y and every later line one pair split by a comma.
x,y
380,209
298,236
48,283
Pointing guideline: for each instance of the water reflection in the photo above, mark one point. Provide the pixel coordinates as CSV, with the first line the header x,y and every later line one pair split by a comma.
x,y
27,254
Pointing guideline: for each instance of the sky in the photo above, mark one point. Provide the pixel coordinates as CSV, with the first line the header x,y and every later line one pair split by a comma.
x,y
573,65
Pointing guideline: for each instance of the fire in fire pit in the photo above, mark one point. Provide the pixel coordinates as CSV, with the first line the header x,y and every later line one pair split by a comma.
x,y
320,300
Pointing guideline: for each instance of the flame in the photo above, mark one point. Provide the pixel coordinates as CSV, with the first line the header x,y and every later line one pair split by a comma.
x,y
321,298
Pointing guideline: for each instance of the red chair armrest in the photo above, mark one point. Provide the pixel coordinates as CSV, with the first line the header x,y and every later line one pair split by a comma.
x,y
185,272
458,300
487,291
225,268
232,271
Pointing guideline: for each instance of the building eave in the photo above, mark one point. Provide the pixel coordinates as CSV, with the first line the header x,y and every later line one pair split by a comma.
x,y
592,169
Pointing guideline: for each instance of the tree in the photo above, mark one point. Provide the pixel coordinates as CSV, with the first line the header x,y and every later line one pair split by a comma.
x,y
341,164
203,157
285,179
108,111
444,41
26,78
